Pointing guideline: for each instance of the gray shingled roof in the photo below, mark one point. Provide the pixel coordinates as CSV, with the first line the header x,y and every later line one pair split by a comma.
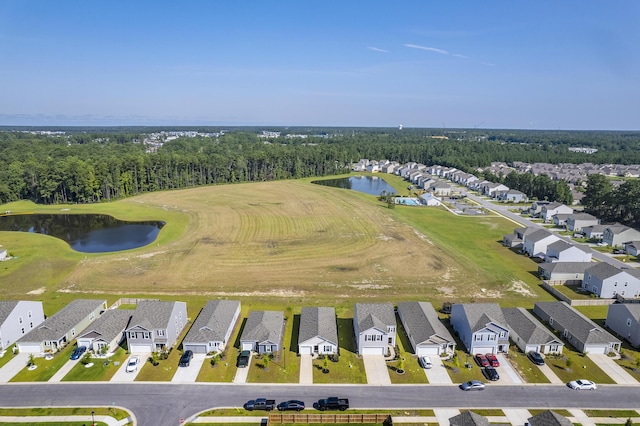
x,y
549,418
60,323
481,314
6,307
318,322
423,322
108,325
583,216
263,326
527,327
378,315
581,327
565,267
538,235
151,314
468,418
603,270
213,322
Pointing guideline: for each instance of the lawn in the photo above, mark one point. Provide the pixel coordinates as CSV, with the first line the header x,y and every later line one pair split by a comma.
x,y
463,368
581,367
116,413
573,291
350,367
46,368
102,370
527,369
630,361
8,355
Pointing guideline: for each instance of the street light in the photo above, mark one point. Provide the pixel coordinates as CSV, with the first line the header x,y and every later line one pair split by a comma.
x,y
93,422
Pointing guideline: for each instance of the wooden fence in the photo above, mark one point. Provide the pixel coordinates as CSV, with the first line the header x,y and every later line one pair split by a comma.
x,y
576,302
329,418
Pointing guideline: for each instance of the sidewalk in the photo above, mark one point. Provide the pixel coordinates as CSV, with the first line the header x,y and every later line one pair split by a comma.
x,y
110,421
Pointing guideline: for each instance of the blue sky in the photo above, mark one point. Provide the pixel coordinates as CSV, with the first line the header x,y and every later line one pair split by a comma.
x,y
495,64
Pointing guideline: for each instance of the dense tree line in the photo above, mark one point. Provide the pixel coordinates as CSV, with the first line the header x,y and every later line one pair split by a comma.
x,y
92,165
540,187
613,204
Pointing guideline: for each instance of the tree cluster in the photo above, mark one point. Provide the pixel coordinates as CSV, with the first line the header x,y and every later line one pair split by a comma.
x,y
613,204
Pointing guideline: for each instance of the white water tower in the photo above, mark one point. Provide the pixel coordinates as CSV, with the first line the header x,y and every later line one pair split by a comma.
x,y
399,126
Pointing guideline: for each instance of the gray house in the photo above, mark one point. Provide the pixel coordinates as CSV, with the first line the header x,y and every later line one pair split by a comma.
x,y
563,272
212,329
318,331
594,232
107,331
624,320
517,238
549,418
17,318
536,243
263,332
62,327
562,251
374,325
577,221
607,281
468,418
428,336
481,326
155,325
553,209
617,235
529,334
583,334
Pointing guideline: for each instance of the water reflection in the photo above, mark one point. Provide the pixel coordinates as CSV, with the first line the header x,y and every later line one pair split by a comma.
x,y
372,185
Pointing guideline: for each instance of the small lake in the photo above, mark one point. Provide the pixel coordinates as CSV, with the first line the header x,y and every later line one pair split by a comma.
x,y
86,233
372,185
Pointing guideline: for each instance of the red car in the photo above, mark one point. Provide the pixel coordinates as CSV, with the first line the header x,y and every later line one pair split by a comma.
x,y
482,360
493,360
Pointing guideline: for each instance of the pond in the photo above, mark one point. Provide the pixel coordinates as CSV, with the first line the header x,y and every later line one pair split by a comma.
x,y
86,233
372,185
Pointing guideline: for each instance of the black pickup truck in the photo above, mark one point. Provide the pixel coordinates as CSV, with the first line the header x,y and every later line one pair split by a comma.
x,y
260,404
332,403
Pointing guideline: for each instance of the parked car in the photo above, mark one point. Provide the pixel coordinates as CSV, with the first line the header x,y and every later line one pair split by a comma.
x,y
185,359
493,360
482,360
582,384
132,364
243,359
260,404
472,385
536,358
491,373
77,352
291,405
425,362
332,403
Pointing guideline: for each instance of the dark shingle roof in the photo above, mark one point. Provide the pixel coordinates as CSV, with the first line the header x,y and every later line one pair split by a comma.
x,y
468,418
423,322
213,322
539,235
603,270
263,326
108,325
549,418
527,327
318,322
481,314
565,267
6,307
152,314
379,315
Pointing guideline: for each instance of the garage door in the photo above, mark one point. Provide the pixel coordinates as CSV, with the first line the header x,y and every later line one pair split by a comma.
x,y
247,346
488,350
596,349
305,350
427,350
372,351
196,349
29,348
137,348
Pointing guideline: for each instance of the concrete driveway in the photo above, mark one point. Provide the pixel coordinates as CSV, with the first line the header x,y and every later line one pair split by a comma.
x,y
376,369
438,373
508,374
190,373
242,373
13,367
306,369
613,370
122,375
548,372
64,370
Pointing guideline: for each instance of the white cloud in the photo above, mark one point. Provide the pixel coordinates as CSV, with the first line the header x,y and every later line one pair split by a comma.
x,y
489,64
457,55
430,49
377,49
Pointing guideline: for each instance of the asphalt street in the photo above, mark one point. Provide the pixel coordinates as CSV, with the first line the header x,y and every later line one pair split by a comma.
x,y
168,403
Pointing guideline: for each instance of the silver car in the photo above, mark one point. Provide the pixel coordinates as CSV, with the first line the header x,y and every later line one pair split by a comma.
x,y
425,362
472,385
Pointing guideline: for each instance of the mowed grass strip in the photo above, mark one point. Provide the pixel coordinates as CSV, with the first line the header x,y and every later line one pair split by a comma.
x,y
101,371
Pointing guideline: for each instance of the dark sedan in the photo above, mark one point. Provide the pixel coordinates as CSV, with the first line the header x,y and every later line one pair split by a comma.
x,y
491,373
536,358
77,352
291,405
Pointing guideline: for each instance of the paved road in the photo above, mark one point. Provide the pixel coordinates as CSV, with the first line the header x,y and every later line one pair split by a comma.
x,y
167,403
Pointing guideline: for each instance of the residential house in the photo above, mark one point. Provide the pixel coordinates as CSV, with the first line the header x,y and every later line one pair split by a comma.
x,y
512,196
594,232
155,325
632,248
318,332
562,251
529,334
536,243
548,418
212,329
61,328
106,331
441,189
624,320
17,318
492,189
606,281
551,209
468,418
263,332
583,334
536,207
481,327
374,325
428,199
427,334
577,221
616,235
517,238
560,219
563,272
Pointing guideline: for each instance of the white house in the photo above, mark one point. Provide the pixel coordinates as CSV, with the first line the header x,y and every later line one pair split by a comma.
x,y
374,325
562,251
106,331
212,329
318,331
481,327
18,317
428,199
428,336
536,243
552,209
607,281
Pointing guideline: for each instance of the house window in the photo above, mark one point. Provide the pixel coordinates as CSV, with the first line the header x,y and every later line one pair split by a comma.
x,y
492,337
29,313
502,334
327,349
550,321
23,331
160,332
31,325
628,322
20,320
146,335
478,337
92,316
626,283
180,315
73,331
615,283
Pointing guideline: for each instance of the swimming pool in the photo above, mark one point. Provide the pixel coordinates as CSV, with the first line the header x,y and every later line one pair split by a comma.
x,y
408,201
